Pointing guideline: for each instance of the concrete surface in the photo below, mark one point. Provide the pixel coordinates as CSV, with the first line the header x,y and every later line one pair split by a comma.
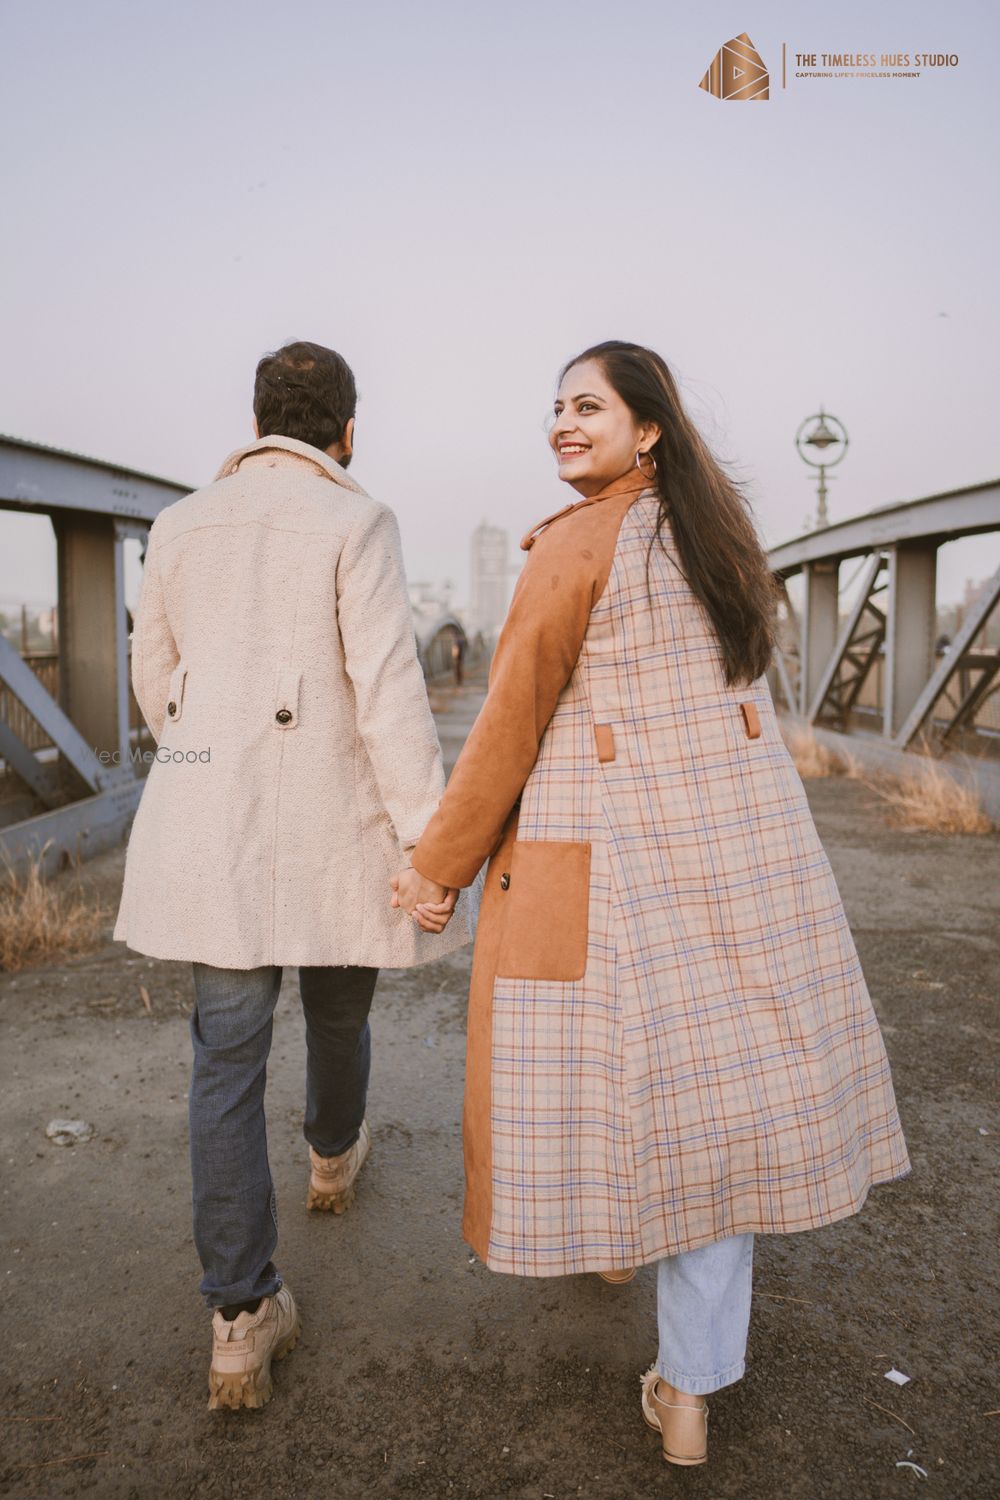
x,y
420,1373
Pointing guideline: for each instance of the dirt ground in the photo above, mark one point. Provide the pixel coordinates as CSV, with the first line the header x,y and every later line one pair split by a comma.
x,y
420,1373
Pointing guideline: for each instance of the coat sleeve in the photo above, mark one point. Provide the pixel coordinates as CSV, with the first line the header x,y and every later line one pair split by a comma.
x,y
380,651
534,659
154,650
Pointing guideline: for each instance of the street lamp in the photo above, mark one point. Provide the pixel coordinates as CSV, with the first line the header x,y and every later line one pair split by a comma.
x,y
821,437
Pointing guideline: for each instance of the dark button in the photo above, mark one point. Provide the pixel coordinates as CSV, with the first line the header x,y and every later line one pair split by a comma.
x,y
505,882
171,709
283,715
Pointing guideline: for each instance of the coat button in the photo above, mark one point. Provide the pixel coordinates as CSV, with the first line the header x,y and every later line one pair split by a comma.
x,y
505,882
171,709
283,715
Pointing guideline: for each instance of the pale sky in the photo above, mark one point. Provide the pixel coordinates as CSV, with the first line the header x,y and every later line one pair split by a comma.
x,y
458,197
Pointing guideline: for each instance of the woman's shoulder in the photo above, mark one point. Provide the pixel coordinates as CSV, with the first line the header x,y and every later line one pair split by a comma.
x,y
588,531
568,527
575,547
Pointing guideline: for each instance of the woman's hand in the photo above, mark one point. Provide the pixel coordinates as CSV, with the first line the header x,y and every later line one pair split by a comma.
x,y
434,917
430,904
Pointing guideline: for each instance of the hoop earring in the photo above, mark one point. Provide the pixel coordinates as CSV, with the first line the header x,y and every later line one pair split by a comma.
x,y
638,465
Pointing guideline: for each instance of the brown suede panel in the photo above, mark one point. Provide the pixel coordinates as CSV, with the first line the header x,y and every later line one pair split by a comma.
x,y
604,735
544,911
565,574
476,1117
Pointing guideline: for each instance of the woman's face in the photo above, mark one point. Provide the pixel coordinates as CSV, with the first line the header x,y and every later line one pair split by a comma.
x,y
595,436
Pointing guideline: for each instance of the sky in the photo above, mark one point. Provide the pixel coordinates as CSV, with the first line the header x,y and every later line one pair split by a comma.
x,y
461,196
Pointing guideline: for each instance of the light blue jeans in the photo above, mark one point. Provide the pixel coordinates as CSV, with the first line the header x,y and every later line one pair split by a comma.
x,y
703,1312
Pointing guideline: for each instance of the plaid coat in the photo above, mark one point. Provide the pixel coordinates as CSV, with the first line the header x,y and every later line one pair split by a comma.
x,y
670,1037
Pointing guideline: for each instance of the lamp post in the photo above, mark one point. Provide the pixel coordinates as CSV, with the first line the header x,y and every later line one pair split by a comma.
x,y
820,437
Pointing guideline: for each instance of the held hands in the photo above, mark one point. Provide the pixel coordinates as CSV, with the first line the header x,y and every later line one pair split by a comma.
x,y
429,904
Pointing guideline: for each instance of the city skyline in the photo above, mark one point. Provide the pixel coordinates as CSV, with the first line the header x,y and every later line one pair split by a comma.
x,y
964,566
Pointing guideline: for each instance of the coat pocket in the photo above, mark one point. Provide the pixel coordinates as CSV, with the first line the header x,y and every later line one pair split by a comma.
x,y
175,693
286,699
545,910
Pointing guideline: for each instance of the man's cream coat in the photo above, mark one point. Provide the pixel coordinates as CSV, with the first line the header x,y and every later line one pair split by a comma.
x,y
274,660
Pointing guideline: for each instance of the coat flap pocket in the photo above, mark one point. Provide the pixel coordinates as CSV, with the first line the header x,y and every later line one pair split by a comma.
x,y
605,738
545,911
175,692
751,720
286,700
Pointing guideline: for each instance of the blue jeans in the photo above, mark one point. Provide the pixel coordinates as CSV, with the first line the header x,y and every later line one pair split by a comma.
x,y
703,1311
235,1213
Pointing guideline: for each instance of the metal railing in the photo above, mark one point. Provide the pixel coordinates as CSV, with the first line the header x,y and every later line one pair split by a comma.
x,y
881,667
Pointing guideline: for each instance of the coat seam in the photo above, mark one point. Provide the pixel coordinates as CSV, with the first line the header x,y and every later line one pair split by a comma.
x,y
290,663
274,847
361,840
596,598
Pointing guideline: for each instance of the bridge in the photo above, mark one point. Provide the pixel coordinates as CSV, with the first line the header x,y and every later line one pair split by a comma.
x,y
873,677
84,803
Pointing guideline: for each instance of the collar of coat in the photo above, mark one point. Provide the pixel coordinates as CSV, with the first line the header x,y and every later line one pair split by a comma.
x,y
629,483
322,461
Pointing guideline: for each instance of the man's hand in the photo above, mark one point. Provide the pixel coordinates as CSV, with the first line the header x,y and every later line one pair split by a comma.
x,y
430,904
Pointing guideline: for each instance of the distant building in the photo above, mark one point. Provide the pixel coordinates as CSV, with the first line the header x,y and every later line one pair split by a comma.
x,y
989,635
429,602
489,575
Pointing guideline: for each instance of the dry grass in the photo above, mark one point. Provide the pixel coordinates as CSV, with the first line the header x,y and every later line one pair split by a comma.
x,y
928,798
41,919
813,759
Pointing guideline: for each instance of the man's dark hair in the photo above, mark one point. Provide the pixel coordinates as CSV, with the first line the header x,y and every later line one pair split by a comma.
x,y
304,391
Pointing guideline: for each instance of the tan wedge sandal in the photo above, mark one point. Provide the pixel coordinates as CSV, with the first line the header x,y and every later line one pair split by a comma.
x,y
683,1429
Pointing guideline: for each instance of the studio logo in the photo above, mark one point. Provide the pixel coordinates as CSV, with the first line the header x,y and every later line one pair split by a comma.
x,y
736,71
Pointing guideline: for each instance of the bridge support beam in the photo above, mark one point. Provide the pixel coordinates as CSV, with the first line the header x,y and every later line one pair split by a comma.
x,y
857,647
910,629
819,626
93,687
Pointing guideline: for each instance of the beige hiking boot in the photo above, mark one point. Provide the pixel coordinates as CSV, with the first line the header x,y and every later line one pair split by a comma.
x,y
242,1351
332,1179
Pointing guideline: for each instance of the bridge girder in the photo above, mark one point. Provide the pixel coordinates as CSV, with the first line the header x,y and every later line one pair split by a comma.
x,y
94,508
836,657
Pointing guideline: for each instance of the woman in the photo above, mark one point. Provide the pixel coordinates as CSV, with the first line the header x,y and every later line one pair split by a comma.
x,y
671,1045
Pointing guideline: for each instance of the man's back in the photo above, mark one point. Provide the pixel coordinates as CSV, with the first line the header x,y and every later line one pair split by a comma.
x,y
248,568
274,660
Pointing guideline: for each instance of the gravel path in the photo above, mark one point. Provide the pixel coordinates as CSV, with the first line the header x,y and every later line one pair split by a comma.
x,y
420,1373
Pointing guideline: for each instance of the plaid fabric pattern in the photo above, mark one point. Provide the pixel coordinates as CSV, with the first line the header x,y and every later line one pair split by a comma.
x,y
719,1069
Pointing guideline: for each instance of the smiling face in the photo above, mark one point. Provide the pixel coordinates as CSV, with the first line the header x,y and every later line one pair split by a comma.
x,y
595,436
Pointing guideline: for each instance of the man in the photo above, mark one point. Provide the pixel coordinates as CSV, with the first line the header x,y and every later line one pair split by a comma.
x,y
274,660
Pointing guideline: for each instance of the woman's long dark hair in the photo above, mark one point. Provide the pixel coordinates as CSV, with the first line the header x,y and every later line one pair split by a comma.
x,y
709,515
